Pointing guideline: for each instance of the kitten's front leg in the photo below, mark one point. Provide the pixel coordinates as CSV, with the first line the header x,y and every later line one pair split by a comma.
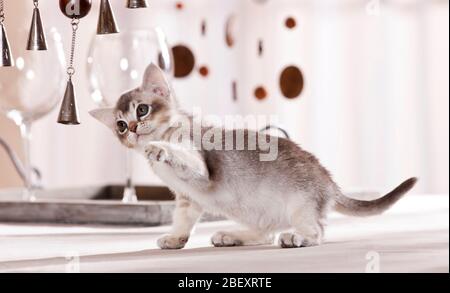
x,y
185,216
174,162
187,165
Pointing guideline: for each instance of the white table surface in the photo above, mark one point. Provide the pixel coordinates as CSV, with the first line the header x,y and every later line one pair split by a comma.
x,y
412,237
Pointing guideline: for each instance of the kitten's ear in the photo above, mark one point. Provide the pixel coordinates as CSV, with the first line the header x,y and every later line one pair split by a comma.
x,y
106,116
155,81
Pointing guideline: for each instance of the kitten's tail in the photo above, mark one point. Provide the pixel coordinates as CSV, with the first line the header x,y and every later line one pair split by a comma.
x,y
352,207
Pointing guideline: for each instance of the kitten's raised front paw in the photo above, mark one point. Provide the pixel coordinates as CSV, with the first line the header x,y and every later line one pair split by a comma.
x,y
295,240
156,153
224,239
172,242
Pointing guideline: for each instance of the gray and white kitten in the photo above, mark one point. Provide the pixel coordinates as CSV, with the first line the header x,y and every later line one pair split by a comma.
x,y
292,193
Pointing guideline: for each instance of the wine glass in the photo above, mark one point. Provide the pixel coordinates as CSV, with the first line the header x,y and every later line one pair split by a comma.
x,y
32,88
116,64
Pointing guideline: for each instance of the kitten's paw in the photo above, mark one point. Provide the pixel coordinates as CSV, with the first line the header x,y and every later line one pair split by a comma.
x,y
172,242
156,153
295,240
290,240
224,239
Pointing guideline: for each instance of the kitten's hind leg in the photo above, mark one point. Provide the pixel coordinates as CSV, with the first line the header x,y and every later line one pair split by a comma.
x,y
185,216
241,238
308,230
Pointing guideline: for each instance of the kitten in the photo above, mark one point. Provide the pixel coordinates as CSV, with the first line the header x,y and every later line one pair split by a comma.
x,y
293,192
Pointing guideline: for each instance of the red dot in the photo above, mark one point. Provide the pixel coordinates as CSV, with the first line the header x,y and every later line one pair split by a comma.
x,y
204,71
260,93
180,5
291,23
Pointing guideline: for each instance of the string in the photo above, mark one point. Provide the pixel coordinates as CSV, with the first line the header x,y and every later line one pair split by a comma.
x,y
71,69
2,12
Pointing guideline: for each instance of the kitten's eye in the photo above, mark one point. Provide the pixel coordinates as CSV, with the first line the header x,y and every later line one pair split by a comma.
x,y
122,126
142,110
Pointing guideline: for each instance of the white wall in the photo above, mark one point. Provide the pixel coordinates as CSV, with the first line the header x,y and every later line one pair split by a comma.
x,y
374,108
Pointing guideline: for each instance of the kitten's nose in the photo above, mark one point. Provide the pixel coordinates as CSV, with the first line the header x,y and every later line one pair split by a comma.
x,y
133,126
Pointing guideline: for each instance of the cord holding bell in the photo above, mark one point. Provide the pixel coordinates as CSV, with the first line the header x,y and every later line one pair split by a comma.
x,y
75,10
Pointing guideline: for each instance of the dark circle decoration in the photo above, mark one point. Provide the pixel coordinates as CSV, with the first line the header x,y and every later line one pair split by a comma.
x,y
260,48
184,61
75,8
204,27
234,90
291,82
204,71
230,28
179,5
260,93
290,23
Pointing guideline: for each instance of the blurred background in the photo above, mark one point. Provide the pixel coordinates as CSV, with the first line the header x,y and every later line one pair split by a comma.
x,y
362,84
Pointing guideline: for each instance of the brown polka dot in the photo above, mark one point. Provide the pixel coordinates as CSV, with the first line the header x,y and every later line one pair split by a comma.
x,y
291,23
204,71
84,6
230,28
180,5
204,28
234,90
260,48
260,93
184,61
291,82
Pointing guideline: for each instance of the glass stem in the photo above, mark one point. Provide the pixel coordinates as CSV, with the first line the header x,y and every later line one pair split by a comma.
x,y
129,169
25,131
129,194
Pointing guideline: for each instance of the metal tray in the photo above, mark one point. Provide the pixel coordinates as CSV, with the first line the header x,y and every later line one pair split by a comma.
x,y
91,206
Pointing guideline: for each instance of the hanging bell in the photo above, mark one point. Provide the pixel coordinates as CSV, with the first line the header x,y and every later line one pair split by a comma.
x,y
106,20
6,58
36,37
68,114
132,4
